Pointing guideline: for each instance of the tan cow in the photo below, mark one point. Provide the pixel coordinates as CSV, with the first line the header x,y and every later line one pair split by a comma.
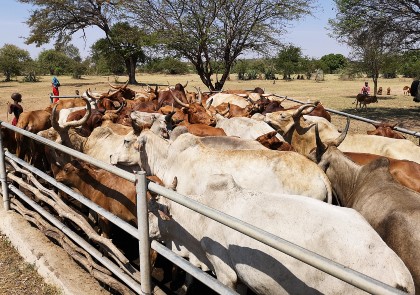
x,y
391,209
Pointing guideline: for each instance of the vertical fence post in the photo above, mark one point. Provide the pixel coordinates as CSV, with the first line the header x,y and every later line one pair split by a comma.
x,y
143,228
6,201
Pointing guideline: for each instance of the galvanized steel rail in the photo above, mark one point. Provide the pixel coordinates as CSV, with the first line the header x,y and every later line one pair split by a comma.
x,y
348,275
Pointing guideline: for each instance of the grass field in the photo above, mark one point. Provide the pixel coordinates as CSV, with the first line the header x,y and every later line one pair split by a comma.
x,y
332,92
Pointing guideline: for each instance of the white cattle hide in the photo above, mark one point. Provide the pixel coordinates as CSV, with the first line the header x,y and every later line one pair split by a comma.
x,y
337,233
400,149
193,160
64,113
245,128
219,98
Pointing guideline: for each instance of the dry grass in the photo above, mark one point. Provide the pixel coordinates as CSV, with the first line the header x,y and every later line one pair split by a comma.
x,y
17,276
332,92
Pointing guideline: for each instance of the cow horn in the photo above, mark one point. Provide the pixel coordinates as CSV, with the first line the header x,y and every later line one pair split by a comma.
x,y
54,121
376,125
200,95
336,142
209,102
300,110
88,94
179,101
320,147
185,86
125,85
122,105
112,93
82,120
113,86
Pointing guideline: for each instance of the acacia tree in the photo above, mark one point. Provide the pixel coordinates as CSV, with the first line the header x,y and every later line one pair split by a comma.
x,y
13,60
288,61
216,32
60,19
334,62
366,33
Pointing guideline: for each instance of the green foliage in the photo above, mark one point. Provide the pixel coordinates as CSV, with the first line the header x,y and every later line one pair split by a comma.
x,y
54,62
167,65
252,69
288,61
333,62
409,64
13,61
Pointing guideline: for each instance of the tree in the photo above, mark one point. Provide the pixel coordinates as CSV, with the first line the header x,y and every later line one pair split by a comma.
x,y
54,62
399,19
334,62
409,64
60,19
127,47
216,32
288,60
13,60
370,40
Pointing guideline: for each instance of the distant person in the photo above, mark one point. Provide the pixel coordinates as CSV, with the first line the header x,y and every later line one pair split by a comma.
x,y
365,89
55,84
15,107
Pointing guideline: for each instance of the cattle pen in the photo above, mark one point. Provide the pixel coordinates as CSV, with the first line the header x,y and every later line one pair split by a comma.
x,y
140,281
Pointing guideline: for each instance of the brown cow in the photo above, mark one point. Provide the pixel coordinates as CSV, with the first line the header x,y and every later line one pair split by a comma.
x,y
406,90
379,92
405,172
386,130
364,99
269,140
113,193
32,121
388,91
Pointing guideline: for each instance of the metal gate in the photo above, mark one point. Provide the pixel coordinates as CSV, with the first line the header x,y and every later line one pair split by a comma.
x,y
143,284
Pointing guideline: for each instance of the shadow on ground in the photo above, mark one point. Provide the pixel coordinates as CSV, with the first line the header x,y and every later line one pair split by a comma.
x,y
405,117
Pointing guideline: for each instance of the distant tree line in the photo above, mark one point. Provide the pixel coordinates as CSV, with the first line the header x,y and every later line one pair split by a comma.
x,y
288,63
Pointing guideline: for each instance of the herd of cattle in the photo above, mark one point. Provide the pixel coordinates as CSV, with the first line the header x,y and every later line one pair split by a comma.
x,y
353,198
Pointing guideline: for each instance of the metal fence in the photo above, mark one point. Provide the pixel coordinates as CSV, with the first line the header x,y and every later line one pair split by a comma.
x,y
144,286
406,131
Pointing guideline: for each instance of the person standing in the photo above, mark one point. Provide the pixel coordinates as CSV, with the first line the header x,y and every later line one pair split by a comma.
x,y
365,89
55,85
15,107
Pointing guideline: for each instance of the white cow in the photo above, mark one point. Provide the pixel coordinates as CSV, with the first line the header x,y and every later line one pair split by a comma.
x,y
64,113
301,135
337,233
242,127
219,98
194,159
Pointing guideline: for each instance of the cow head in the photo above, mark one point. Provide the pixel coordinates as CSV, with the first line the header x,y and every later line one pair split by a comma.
x,y
386,130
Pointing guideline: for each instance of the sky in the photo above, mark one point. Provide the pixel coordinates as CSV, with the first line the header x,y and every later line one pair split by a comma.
x,y
310,33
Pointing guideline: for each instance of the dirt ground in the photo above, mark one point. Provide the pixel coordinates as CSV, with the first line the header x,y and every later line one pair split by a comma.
x,y
19,277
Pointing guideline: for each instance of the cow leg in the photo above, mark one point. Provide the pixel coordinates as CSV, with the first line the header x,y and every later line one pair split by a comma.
x,y
220,260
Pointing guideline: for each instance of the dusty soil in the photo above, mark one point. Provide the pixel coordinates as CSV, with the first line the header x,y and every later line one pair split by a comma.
x,y
19,277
